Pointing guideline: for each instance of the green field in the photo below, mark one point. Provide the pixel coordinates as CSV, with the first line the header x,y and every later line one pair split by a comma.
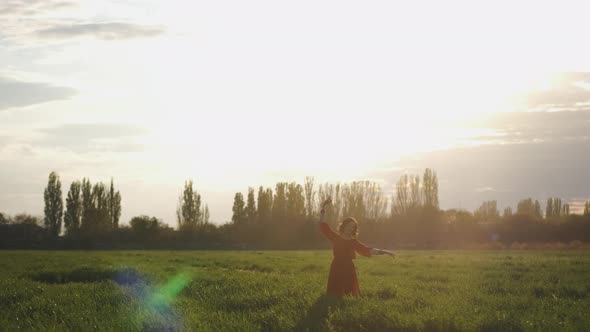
x,y
282,291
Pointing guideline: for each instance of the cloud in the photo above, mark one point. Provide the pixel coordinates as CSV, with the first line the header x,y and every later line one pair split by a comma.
x,y
14,93
35,23
94,130
92,137
4,141
537,170
528,127
31,7
538,155
484,189
565,93
104,31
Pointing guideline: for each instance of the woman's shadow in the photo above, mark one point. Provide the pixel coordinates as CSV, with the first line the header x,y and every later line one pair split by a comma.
x,y
317,317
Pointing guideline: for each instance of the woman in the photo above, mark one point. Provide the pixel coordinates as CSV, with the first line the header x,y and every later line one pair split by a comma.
x,y
343,279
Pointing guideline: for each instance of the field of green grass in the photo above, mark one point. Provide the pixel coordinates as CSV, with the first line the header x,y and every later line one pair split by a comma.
x,y
284,291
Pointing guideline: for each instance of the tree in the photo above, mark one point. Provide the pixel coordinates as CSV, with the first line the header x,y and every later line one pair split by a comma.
x,y
538,211
3,219
353,195
487,212
264,208
453,216
507,213
415,194
205,215
587,208
556,207
337,202
239,214
411,196
143,224
53,205
145,227
114,202
363,200
375,201
101,220
251,214
279,206
309,197
295,205
73,215
270,201
116,211
189,212
179,219
430,189
549,208
23,218
530,208
87,207
401,201
565,210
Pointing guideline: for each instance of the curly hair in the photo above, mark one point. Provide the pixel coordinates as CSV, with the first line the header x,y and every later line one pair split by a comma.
x,y
346,222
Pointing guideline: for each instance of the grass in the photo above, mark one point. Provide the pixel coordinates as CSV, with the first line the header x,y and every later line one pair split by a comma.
x,y
283,291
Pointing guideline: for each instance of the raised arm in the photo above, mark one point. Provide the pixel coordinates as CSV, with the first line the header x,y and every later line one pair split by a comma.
x,y
324,227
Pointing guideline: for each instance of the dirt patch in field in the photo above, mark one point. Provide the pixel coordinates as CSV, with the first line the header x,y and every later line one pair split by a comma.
x,y
128,277
90,275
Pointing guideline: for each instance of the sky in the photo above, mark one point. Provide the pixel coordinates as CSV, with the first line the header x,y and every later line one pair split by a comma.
x,y
495,97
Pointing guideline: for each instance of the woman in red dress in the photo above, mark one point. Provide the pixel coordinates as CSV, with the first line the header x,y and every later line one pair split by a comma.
x,y
343,279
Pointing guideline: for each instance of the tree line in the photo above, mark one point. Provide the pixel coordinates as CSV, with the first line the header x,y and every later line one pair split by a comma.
x,y
89,209
285,217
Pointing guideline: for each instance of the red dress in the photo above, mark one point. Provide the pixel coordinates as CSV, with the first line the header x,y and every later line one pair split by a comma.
x,y
343,279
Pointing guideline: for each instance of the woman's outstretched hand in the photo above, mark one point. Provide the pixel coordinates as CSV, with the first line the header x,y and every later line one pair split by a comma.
x,y
389,253
383,252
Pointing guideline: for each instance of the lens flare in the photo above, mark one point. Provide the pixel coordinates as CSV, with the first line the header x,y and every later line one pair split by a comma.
x,y
164,295
156,309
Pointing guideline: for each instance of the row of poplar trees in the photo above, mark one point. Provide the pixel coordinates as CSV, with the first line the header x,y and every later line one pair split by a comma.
x,y
293,202
89,208
554,210
288,213
364,200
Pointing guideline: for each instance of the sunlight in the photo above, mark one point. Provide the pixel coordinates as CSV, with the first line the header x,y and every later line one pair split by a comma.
x,y
251,94
195,165
247,136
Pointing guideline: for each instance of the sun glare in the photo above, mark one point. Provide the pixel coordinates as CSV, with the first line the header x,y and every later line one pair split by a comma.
x,y
243,134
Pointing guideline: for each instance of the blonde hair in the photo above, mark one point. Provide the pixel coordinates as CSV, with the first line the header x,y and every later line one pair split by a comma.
x,y
346,222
